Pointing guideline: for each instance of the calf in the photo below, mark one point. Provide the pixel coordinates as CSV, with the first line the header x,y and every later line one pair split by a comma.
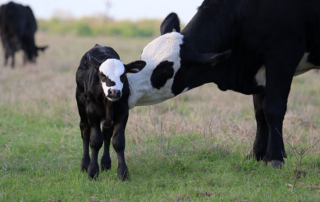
x,y
18,26
102,96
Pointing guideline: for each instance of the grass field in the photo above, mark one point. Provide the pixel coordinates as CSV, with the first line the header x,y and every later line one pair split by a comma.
x,y
190,148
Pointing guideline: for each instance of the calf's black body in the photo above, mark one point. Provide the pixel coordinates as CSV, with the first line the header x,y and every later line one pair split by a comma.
x,y
94,108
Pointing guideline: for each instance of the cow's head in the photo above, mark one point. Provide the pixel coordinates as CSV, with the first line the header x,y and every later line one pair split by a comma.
x,y
31,51
112,75
170,67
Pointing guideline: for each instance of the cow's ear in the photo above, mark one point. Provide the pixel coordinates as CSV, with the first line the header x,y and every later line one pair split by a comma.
x,y
43,48
95,63
170,23
135,67
210,59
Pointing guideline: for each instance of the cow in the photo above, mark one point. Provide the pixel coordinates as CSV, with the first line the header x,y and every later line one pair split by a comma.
x,y
251,47
102,96
18,26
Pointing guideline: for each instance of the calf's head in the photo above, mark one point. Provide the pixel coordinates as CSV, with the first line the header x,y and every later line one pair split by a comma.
x,y
112,75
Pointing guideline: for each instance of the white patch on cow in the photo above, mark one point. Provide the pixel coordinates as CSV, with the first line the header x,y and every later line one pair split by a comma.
x,y
261,76
303,67
165,47
185,90
113,69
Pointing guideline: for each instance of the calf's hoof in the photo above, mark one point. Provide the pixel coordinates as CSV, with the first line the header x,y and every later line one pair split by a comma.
x,y
93,171
105,163
123,173
85,164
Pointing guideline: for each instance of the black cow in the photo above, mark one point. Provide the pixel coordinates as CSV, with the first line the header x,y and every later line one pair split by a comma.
x,y
17,27
267,43
102,95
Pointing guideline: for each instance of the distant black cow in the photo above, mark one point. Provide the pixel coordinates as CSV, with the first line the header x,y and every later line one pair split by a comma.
x,y
270,43
102,95
17,27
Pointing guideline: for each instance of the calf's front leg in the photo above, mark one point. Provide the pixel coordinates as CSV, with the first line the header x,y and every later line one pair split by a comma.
x,y
96,141
118,142
107,130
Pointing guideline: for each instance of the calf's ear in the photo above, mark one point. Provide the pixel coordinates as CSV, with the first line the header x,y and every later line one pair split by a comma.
x,y
95,63
135,66
170,23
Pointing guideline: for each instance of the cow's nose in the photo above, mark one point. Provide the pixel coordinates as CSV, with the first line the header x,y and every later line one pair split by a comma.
x,y
114,94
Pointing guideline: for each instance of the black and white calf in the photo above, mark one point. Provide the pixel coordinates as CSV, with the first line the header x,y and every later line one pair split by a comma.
x,y
263,45
102,96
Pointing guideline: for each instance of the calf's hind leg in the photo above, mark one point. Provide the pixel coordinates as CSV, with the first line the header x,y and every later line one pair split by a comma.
x,y
96,141
85,131
85,134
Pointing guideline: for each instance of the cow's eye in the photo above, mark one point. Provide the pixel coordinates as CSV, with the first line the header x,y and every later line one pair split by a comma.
x,y
122,78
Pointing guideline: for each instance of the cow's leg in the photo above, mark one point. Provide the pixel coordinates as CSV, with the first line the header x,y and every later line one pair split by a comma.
x,y
262,133
6,57
280,68
24,59
118,142
107,131
85,131
13,60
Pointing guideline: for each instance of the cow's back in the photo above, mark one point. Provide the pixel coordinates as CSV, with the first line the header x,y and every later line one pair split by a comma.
x,y
18,20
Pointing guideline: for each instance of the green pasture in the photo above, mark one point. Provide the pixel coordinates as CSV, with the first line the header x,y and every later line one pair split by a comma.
x,y
190,148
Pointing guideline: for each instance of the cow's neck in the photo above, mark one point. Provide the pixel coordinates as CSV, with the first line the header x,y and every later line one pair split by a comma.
x,y
214,29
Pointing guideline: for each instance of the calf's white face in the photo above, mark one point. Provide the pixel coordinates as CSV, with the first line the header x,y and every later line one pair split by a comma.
x,y
112,76
153,84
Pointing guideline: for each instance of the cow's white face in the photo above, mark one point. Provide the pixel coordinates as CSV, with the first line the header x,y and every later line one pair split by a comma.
x,y
112,76
153,84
